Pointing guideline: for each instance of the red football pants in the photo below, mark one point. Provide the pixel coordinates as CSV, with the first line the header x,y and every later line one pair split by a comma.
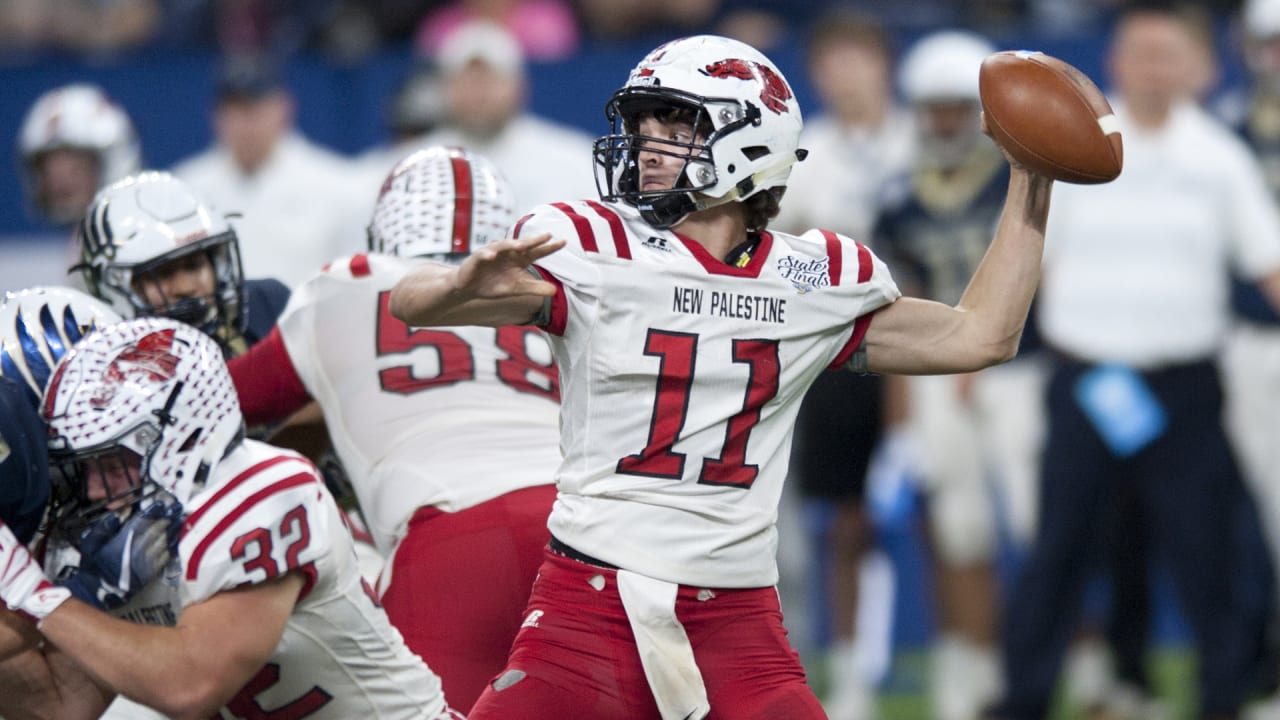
x,y
579,659
460,582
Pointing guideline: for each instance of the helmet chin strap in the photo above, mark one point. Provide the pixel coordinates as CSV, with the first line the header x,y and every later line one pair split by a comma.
x,y
699,201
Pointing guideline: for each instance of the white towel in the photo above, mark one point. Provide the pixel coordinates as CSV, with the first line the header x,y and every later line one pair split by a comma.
x,y
664,647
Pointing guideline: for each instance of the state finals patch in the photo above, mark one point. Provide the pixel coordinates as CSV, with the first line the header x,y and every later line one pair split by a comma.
x,y
805,274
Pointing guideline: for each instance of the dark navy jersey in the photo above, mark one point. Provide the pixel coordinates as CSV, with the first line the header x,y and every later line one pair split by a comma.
x,y
264,301
24,461
933,233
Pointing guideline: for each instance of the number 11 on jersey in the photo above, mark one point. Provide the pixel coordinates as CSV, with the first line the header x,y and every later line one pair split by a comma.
x,y
677,353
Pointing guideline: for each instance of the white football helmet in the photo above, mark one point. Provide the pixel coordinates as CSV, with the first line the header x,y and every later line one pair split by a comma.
x,y
139,406
1262,18
441,203
136,227
79,117
39,325
737,92
939,70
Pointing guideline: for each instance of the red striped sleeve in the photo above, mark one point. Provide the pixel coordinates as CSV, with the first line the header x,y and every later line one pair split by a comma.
x,y
559,304
581,225
225,490
515,232
267,381
859,332
620,244
278,486
835,254
864,263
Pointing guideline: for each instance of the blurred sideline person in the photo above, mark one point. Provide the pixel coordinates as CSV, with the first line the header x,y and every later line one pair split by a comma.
x,y
861,140
960,434
297,200
257,609
486,91
74,141
686,335
1251,360
1134,308
451,436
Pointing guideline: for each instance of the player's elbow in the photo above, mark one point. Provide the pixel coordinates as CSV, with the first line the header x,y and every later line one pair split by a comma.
x,y
184,705
198,697
1000,350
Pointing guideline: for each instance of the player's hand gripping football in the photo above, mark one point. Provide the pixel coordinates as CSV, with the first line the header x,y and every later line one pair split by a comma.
x,y
501,270
117,559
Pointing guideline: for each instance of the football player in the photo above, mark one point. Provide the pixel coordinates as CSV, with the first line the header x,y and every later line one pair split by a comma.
x,y
686,334
74,141
260,610
37,326
151,246
451,436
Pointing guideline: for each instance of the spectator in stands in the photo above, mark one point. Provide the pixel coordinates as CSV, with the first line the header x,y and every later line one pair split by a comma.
x,y
299,204
545,29
1134,306
627,18
486,91
86,26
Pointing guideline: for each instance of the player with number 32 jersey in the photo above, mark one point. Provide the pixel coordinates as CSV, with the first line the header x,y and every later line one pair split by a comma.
x,y
257,610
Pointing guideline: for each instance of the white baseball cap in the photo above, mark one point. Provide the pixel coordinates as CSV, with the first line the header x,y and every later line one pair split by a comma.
x,y
480,41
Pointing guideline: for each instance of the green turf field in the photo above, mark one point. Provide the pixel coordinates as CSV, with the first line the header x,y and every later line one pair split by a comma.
x,y
903,696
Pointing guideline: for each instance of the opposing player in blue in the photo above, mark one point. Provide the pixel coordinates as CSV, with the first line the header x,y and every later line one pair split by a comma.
x,y
37,326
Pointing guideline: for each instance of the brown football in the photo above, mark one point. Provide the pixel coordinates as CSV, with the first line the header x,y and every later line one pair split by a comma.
x,y
1050,117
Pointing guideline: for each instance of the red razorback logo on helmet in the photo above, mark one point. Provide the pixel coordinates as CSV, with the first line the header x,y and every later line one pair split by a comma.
x,y
150,359
774,93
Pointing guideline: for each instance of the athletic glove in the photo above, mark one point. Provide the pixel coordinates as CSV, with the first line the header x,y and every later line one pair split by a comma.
x,y
23,585
118,559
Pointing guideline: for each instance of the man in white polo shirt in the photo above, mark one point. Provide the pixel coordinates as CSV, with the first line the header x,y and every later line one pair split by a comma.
x,y
1134,304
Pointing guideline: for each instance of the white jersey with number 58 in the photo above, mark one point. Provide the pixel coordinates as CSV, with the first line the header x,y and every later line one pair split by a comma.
x,y
682,377
446,417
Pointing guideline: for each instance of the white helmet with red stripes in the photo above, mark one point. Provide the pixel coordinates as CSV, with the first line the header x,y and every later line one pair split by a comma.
x,y
136,407
745,115
441,203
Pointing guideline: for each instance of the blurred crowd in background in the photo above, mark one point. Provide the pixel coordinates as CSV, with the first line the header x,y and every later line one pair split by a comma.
x,y
547,29
523,81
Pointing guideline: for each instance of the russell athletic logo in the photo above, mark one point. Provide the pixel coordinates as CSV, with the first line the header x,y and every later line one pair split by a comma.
x,y
774,92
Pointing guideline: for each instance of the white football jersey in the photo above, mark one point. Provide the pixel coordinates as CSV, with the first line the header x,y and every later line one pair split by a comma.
x,y
446,417
681,380
266,512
